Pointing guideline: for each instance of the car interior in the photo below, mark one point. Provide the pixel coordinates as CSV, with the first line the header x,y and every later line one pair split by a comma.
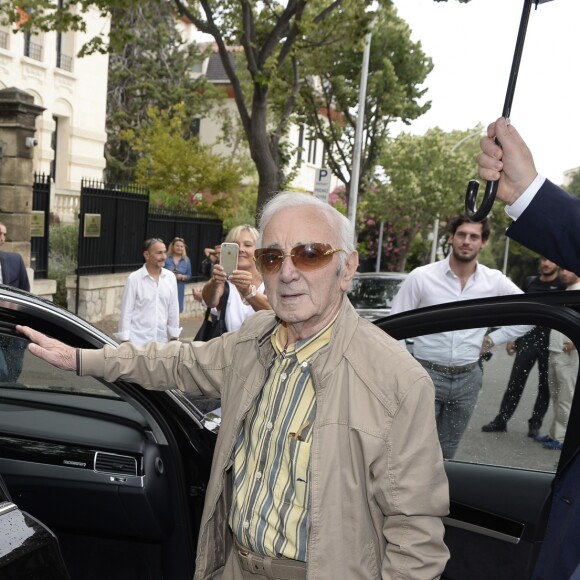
x,y
500,483
118,473
115,472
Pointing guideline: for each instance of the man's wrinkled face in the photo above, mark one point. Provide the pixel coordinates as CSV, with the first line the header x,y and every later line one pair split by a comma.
x,y
307,299
466,242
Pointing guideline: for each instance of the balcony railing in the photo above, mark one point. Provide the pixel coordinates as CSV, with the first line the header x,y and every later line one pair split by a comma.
x,y
64,62
33,50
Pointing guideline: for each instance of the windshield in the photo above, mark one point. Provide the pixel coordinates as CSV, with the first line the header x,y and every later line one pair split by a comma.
x,y
374,292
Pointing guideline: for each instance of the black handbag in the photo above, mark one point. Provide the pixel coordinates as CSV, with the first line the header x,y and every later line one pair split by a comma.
x,y
213,328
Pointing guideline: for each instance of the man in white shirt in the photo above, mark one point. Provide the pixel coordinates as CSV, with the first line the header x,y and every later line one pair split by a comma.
x,y
150,305
452,358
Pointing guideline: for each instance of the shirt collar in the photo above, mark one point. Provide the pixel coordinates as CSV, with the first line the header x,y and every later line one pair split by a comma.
x,y
303,349
449,272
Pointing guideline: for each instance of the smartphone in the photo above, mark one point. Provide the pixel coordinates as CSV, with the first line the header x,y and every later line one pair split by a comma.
x,y
229,257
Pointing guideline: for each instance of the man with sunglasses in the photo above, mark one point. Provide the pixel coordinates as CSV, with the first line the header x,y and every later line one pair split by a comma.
x,y
150,302
327,444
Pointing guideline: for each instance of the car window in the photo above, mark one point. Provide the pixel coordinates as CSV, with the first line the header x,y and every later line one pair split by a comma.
x,y
523,432
19,369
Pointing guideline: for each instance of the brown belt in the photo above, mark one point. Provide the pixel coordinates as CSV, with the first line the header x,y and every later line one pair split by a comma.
x,y
447,370
275,568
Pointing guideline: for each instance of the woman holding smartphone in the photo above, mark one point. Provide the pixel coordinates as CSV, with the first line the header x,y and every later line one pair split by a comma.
x,y
246,288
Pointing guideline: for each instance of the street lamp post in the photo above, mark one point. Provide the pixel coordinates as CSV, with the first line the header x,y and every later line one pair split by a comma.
x,y
354,177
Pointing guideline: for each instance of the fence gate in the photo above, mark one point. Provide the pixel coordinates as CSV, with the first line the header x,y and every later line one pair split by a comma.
x,y
39,241
115,220
121,213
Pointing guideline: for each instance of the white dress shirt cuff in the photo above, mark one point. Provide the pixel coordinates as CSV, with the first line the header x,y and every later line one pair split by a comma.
x,y
174,331
516,209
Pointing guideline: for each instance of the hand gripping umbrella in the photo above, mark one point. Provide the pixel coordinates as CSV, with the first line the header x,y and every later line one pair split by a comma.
x,y
475,214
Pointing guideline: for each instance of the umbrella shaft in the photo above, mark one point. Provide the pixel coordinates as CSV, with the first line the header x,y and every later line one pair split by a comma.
x,y
507,107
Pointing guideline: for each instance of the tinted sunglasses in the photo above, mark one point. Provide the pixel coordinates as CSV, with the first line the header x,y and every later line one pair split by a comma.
x,y
305,257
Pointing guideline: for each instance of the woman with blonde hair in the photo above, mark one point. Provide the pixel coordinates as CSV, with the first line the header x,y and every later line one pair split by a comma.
x,y
246,288
178,262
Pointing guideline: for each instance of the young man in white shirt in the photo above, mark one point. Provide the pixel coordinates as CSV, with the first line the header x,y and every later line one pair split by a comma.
x,y
150,305
452,358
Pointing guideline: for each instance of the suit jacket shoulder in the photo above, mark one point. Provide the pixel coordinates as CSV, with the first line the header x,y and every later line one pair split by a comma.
x,y
549,226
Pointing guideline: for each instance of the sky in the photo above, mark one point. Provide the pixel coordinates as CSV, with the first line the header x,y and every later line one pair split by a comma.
x,y
472,47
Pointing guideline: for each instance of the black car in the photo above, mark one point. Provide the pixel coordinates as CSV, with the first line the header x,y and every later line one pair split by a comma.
x,y
118,473
372,293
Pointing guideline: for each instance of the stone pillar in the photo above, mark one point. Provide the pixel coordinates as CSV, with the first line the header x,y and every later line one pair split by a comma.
x,y
17,128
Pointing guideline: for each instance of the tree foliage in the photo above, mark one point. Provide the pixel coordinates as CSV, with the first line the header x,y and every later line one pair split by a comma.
x,y
574,186
174,165
330,96
273,37
152,69
425,179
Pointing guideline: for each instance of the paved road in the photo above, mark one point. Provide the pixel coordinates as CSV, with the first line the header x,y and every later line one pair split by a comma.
x,y
513,448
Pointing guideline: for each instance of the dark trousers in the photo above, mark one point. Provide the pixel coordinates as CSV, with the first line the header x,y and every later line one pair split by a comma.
x,y
531,347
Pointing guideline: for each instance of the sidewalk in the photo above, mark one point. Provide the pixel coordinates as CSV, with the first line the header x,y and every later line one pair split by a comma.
x,y
190,327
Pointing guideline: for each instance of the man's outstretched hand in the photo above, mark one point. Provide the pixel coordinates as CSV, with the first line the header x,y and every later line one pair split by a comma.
x,y
52,351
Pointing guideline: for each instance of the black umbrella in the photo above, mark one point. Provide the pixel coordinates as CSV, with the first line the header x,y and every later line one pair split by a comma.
x,y
491,187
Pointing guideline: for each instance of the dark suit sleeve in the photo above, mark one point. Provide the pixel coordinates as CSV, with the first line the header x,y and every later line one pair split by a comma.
x,y
551,226
14,271
23,281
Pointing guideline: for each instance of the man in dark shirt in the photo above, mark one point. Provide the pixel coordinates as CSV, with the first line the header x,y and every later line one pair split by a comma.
x,y
531,347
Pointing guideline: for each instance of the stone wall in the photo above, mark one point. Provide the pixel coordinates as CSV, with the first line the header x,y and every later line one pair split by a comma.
x,y
100,297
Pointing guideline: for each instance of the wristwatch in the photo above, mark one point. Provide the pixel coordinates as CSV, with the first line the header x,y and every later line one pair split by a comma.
x,y
250,294
488,341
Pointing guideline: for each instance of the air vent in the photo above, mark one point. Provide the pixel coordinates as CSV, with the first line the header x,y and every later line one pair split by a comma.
x,y
110,463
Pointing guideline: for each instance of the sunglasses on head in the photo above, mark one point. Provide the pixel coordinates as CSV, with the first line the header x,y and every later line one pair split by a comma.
x,y
305,257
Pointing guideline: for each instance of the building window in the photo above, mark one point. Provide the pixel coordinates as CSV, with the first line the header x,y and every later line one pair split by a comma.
x,y
193,129
4,39
312,145
63,61
300,143
53,146
64,46
32,46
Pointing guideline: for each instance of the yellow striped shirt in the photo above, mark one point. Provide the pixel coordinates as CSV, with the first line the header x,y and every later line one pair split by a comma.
x,y
272,454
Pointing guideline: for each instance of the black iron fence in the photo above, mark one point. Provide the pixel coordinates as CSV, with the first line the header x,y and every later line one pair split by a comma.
x,y
115,220
39,239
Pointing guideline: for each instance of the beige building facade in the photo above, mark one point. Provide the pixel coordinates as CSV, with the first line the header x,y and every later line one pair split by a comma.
x,y
70,134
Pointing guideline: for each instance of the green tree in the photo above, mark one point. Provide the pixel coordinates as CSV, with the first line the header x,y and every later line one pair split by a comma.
x,y
174,165
329,97
574,186
426,177
274,37
149,68
265,82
